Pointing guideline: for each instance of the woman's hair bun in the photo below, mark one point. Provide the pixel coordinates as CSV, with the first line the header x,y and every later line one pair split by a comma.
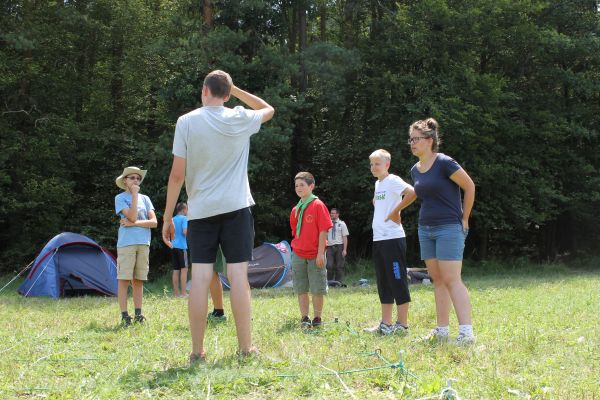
x,y
431,124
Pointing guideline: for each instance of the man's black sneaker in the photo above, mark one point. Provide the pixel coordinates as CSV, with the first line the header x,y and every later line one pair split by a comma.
x,y
316,322
139,319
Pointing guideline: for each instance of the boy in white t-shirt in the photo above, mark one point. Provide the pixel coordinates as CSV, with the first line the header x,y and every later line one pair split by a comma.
x,y
389,245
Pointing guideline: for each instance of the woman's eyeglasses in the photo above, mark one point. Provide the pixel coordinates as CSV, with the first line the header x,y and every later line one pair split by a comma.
x,y
415,139
134,178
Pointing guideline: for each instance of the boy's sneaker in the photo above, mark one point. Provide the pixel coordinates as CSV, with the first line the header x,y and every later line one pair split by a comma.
x,y
400,329
305,323
434,335
126,320
214,318
465,340
316,322
382,328
139,319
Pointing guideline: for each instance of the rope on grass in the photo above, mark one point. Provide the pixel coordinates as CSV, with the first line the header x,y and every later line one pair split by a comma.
x,y
341,381
48,359
12,347
29,390
398,365
151,295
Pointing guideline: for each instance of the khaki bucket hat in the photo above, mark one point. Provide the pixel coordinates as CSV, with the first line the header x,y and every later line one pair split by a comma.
x,y
120,181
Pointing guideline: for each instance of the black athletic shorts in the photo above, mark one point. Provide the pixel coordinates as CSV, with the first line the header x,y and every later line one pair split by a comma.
x,y
234,231
389,258
179,258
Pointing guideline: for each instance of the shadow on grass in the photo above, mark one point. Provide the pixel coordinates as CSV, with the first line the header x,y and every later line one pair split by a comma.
x,y
118,327
289,325
171,376
226,368
99,328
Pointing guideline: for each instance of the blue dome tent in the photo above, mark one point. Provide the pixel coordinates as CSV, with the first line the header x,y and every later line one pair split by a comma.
x,y
71,264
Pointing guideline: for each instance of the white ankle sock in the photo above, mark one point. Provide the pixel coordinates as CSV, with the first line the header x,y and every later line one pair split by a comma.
x,y
443,330
466,330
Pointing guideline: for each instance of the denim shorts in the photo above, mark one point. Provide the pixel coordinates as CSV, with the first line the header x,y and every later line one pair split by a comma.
x,y
442,242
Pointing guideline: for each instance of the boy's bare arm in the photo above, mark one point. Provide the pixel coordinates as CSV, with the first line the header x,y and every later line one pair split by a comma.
x,y
131,213
409,197
321,251
254,102
151,222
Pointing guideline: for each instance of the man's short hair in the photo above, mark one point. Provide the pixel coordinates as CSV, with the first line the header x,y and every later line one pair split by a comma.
x,y
334,209
219,83
306,177
381,154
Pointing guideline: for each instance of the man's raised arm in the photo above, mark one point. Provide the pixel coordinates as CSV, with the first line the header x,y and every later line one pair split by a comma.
x,y
254,102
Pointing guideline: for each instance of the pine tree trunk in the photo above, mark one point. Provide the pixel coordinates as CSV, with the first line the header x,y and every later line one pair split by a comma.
x,y
207,13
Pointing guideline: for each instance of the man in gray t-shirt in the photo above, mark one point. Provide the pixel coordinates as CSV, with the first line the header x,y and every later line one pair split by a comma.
x,y
210,152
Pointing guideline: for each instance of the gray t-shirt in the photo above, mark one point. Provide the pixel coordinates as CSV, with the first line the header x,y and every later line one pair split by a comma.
x,y
215,141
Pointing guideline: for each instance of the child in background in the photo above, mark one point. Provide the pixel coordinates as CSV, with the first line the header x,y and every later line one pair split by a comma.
x,y
179,252
310,222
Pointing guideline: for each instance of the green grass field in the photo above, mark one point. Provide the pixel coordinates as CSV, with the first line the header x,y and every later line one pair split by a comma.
x,y
537,329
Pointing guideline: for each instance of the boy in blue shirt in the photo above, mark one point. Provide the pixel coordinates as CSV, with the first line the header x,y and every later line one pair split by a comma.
x,y
133,246
179,254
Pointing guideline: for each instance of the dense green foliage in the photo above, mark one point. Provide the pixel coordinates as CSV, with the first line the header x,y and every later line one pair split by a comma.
x,y
90,86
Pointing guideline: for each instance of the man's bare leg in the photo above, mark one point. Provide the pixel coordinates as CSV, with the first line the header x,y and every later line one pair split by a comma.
x,y
237,273
198,305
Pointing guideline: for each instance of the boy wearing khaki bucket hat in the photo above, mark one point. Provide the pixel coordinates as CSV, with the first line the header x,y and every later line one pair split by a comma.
x,y
137,217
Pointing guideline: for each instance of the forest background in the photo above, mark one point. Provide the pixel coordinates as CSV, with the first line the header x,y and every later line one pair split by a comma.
x,y
89,87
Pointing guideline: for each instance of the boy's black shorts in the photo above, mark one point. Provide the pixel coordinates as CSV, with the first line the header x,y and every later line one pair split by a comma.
x,y
234,231
389,258
179,258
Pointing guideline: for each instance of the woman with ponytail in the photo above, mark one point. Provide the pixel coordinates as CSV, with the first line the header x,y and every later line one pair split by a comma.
x,y
443,226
